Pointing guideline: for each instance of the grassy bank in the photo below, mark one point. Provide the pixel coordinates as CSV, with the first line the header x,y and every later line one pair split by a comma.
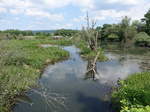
x,y
133,95
21,62
87,53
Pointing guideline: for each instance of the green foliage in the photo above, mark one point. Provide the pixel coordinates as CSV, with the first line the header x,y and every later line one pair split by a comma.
x,y
122,32
113,37
43,34
135,109
140,26
65,32
146,19
125,22
17,32
142,39
127,31
133,93
88,53
107,30
20,63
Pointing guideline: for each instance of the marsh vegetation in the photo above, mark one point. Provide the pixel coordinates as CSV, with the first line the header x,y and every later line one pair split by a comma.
x,y
21,63
41,64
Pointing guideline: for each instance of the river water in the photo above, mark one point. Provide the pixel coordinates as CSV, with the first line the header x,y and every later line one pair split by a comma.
x,y
64,88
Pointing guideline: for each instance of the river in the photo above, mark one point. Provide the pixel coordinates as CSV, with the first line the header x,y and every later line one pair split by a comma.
x,y
64,88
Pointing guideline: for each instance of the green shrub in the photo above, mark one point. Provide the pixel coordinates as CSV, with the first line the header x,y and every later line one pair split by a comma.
x,y
113,36
65,32
88,53
142,109
142,39
134,92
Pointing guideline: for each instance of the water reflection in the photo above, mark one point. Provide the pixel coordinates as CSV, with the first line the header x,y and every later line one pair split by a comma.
x,y
91,104
91,70
62,88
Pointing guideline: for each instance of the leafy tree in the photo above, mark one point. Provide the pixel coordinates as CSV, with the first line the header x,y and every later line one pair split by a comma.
x,y
142,39
66,32
140,27
113,37
127,31
146,19
108,29
104,31
18,32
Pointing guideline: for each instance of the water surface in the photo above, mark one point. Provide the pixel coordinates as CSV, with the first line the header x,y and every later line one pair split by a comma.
x,y
63,88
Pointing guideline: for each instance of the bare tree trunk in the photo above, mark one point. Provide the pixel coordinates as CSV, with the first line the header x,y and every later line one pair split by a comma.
x,y
91,68
88,21
92,34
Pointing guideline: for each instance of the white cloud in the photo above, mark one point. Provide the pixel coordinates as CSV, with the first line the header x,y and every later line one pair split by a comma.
x,y
79,19
45,9
16,11
39,13
63,3
29,8
61,26
56,3
16,18
16,3
45,27
84,3
126,2
3,10
136,12
37,8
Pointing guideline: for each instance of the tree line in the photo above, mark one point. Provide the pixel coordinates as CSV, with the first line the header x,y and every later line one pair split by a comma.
x,y
127,32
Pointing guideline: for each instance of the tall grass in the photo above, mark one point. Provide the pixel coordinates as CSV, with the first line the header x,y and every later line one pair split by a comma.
x,y
20,65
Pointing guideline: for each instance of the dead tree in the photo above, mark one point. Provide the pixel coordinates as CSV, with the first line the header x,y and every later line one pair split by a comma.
x,y
91,34
92,68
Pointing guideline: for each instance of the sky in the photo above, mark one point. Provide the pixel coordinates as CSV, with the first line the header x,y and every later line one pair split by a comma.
x,y
68,14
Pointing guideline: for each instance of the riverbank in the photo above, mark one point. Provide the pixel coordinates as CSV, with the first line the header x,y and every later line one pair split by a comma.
x,y
133,94
21,62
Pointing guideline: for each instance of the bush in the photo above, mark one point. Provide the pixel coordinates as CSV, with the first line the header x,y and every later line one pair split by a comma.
x,y
66,33
88,53
142,39
134,92
113,37
141,109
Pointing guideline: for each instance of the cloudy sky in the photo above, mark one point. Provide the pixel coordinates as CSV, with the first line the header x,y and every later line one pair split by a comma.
x,y
56,14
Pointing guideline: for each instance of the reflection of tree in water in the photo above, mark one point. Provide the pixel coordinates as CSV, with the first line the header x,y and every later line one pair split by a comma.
x,y
53,101
92,69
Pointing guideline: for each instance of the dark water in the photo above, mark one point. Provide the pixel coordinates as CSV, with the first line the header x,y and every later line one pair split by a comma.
x,y
63,88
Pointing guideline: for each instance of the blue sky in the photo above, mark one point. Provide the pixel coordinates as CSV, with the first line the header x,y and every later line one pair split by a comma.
x,y
56,14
